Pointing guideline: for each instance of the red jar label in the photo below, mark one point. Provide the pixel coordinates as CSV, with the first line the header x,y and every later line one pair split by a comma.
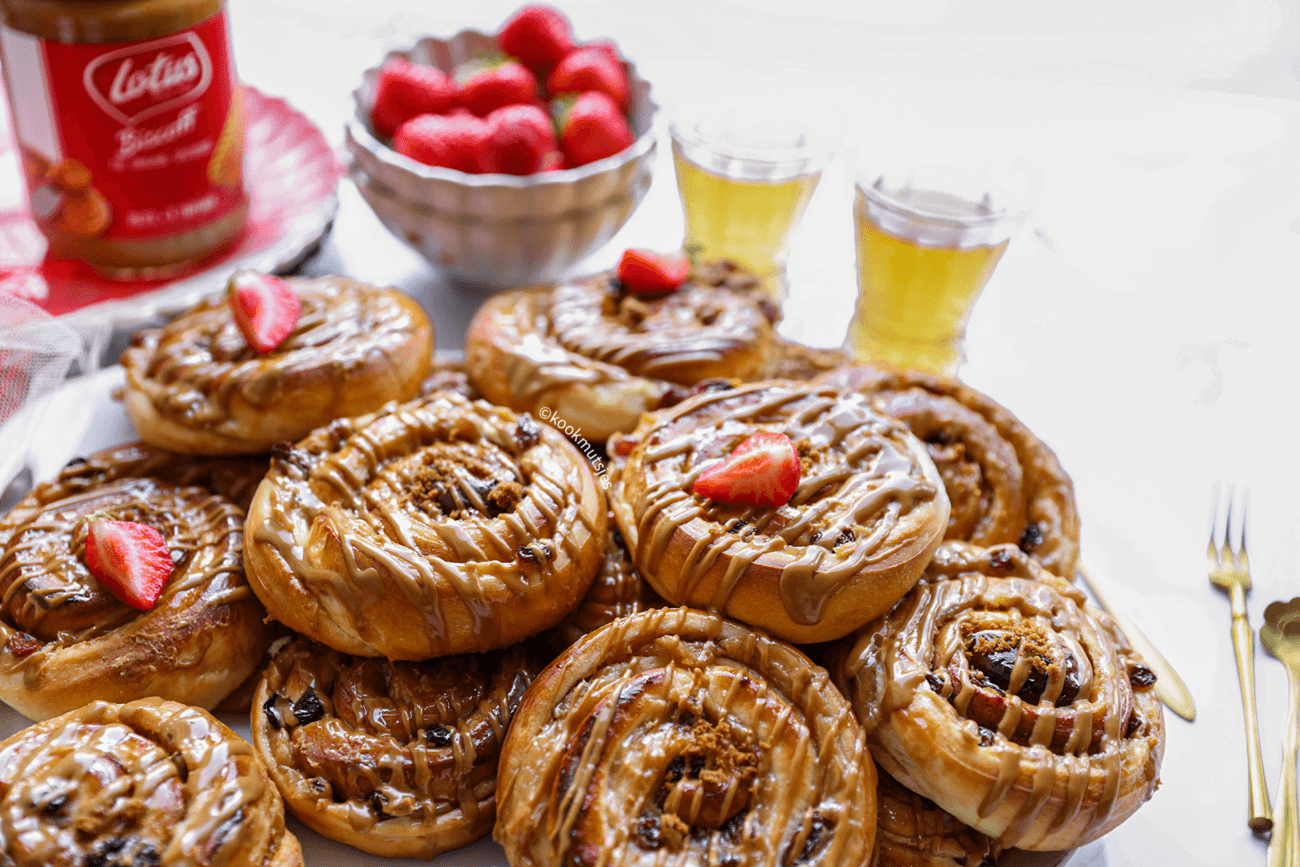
x,y
128,140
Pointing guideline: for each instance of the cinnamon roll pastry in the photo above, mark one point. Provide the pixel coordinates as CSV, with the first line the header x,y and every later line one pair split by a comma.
x,y
196,386
66,640
437,527
618,590
1004,483
868,512
797,361
598,356
677,737
394,758
147,783
912,831
1007,702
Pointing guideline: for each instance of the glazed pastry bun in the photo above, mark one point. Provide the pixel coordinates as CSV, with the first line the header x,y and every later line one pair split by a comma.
x,y
195,385
1007,701
393,758
152,782
65,639
596,355
868,511
431,528
678,737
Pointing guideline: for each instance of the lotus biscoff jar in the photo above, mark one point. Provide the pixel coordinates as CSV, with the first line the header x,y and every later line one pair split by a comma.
x,y
129,120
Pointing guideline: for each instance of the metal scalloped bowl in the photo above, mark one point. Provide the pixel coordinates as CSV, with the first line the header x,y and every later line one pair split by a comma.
x,y
498,230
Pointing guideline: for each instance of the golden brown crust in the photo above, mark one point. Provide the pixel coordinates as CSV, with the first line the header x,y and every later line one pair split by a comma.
x,y
1005,484
1008,703
912,831
674,736
805,363
597,357
153,782
394,758
448,374
64,640
196,386
855,536
431,528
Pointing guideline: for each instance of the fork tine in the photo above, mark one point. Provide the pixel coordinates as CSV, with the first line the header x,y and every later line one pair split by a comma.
x,y
1213,551
1241,531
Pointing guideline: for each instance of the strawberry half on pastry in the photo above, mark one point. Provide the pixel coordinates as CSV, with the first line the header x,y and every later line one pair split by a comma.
x,y
762,471
266,309
129,560
645,272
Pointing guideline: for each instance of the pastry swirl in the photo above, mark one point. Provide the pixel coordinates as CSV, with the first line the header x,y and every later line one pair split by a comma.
x,y
65,640
869,510
196,386
598,356
146,783
437,527
1004,483
1007,702
394,758
677,737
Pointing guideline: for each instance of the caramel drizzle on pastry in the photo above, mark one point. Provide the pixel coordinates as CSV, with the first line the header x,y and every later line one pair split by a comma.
x,y
150,782
591,332
675,737
368,741
1029,673
191,366
842,515
341,482
47,591
1004,483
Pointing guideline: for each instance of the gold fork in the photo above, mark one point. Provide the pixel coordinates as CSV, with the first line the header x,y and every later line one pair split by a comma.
x,y
1230,571
1280,635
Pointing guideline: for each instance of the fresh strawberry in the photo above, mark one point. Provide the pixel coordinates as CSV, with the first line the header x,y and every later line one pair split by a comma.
x,y
483,87
553,162
591,128
518,140
129,560
266,309
453,141
537,35
405,90
648,272
589,69
762,471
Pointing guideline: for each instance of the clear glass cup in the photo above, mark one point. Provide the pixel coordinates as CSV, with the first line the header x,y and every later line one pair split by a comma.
x,y
745,172
928,240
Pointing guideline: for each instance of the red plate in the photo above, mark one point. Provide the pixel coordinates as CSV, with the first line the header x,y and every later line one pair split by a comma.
x,y
291,172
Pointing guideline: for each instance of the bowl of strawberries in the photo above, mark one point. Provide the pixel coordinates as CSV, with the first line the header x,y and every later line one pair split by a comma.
x,y
504,158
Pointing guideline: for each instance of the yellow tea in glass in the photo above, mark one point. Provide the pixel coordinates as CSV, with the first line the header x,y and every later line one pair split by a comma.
x,y
924,254
745,173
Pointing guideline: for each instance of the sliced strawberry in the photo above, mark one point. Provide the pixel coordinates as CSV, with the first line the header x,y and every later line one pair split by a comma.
x,y
762,471
537,35
645,272
266,309
129,560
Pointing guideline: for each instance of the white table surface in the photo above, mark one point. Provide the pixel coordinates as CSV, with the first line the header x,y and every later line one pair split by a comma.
x,y
1143,327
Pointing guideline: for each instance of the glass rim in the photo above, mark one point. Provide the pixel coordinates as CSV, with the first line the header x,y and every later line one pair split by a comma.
x,y
683,131
1007,212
